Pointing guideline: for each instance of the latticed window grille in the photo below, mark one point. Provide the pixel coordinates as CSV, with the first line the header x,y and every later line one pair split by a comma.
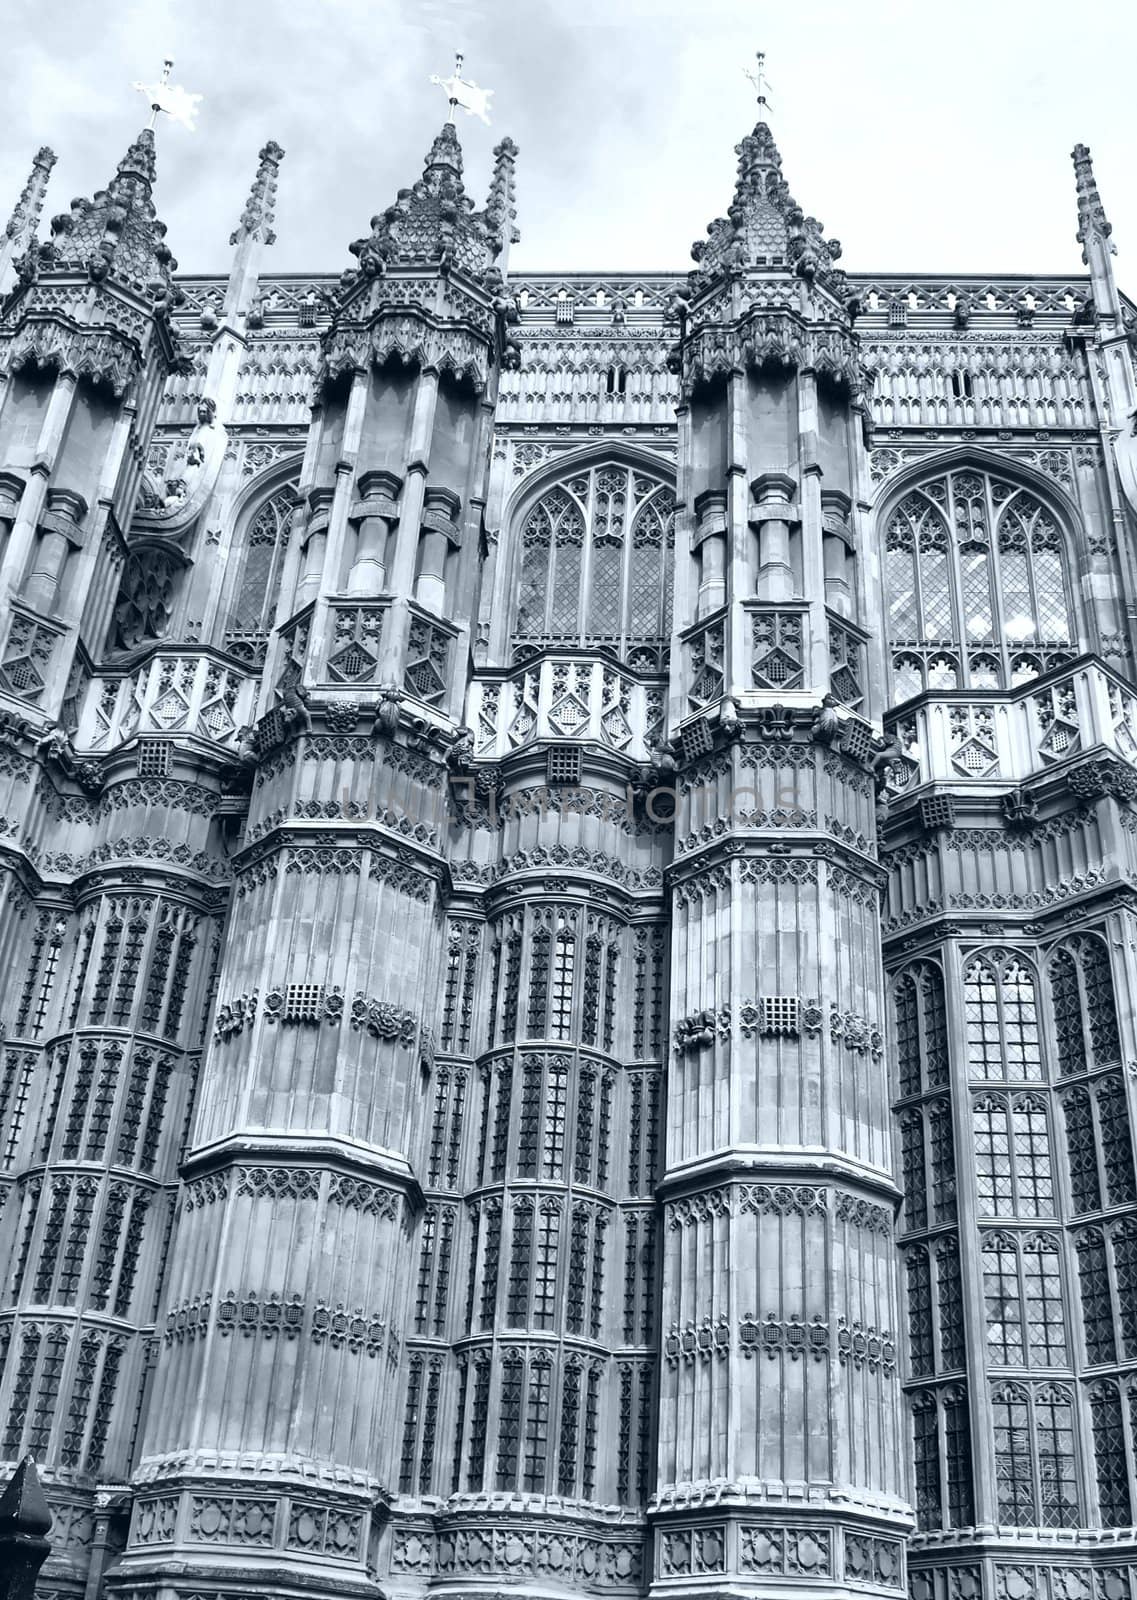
x,y
1023,1295
104,1406
1081,1150
949,1294
1110,1461
520,1263
569,1433
595,562
920,1029
977,586
499,1148
1014,1175
479,1425
21,1393
509,1421
491,1266
921,1335
47,1391
459,989
411,1423
1001,1020
1084,1005
82,1386
926,1451
914,1173
1097,1305
537,1425
1035,1460
445,1152
258,589
957,1458
1116,1141
15,1091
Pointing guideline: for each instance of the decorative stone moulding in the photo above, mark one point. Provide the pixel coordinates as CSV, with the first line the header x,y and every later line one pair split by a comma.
x,y
773,1015
296,1004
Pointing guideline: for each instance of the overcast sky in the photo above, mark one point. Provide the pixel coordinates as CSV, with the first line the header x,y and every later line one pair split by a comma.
x,y
924,137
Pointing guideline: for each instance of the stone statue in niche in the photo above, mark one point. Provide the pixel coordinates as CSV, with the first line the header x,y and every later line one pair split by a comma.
x,y
190,475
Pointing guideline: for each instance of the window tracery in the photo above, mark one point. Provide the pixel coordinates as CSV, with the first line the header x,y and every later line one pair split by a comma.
x,y
1035,1460
942,1451
1001,1020
595,564
263,548
1014,1172
1022,1287
977,585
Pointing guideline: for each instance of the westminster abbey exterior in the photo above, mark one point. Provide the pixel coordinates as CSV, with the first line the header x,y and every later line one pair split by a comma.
x,y
570,912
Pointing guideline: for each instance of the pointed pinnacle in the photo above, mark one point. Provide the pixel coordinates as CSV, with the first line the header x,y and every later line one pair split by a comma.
x,y
257,217
26,212
501,211
137,165
1092,221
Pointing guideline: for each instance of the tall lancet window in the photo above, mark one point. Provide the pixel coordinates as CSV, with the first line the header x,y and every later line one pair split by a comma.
x,y
978,592
595,565
261,552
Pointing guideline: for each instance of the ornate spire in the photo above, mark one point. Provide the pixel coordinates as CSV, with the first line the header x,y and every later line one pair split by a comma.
x,y
765,227
117,234
1093,227
25,217
257,217
436,221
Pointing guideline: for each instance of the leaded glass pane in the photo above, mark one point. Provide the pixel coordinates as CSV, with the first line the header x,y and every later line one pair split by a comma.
x,y
906,1011
1085,1190
1014,1470
1125,1266
1109,1457
1034,1179
993,1159
927,1451
1003,1305
950,1294
1100,1003
957,1454
1067,1002
975,580
921,1350
1116,1141
1042,1293
914,1175
1097,1307
1057,1478
981,1020
942,1148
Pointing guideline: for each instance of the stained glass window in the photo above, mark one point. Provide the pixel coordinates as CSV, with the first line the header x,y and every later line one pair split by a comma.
x,y
978,596
595,565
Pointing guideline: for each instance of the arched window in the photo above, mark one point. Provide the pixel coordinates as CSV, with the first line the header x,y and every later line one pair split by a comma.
x,y
978,595
255,596
1000,1008
921,1032
1035,1463
595,567
1085,1010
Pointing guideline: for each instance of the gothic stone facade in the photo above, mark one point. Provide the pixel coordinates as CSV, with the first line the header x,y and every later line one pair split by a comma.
x,y
569,913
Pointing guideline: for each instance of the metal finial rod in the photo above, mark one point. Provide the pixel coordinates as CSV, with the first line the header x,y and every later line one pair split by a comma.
x,y
155,105
759,79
